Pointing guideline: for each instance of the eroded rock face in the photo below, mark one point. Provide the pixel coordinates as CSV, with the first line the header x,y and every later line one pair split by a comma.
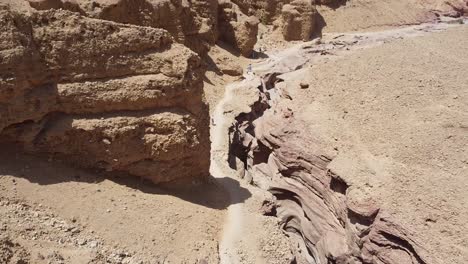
x,y
192,23
314,207
102,94
237,29
298,20
454,8
295,19
325,224
266,10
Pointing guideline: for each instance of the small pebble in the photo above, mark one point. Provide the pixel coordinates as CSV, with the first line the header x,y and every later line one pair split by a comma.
x,y
304,85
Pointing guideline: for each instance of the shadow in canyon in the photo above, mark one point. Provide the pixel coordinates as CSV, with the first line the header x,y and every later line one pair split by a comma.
x,y
256,54
320,22
210,192
337,3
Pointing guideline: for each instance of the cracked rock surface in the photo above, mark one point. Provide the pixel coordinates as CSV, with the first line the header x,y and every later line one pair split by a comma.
x,y
102,95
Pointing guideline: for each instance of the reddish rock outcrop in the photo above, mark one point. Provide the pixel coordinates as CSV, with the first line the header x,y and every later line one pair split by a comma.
x,y
102,94
454,8
323,222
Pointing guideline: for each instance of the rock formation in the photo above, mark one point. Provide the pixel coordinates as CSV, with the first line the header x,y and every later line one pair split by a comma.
x,y
102,94
298,20
325,225
266,10
455,8
192,23
237,29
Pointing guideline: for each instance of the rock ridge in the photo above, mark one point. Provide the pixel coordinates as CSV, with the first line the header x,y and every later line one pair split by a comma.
x,y
100,94
325,225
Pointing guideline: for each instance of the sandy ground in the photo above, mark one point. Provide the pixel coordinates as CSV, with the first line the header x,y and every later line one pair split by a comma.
x,y
397,116
364,15
131,219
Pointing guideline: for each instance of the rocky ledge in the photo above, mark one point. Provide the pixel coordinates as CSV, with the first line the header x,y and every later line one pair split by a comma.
x,y
100,94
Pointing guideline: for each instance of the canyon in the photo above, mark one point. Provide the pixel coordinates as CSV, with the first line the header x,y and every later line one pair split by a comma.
x,y
131,132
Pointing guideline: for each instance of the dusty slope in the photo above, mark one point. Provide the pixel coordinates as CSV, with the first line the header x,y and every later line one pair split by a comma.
x,y
99,219
360,15
396,115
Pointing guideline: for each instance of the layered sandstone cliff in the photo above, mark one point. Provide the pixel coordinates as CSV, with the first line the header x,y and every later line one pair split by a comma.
x,y
102,94
295,19
190,23
196,24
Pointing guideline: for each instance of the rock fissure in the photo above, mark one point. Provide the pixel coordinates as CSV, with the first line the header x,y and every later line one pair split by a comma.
x,y
311,200
119,86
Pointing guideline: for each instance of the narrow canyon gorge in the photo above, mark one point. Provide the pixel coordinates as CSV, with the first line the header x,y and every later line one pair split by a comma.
x,y
231,131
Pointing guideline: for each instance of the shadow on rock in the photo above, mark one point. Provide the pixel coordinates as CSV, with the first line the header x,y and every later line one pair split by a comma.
x,y
210,192
337,4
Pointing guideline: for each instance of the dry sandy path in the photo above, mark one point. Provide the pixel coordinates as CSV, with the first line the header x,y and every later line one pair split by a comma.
x,y
233,228
233,222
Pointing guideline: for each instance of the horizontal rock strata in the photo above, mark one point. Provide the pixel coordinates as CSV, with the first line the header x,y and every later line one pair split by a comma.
x,y
102,94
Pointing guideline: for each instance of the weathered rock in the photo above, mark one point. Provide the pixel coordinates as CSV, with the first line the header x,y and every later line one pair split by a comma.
x,y
304,85
237,29
295,18
323,221
298,20
266,10
229,67
102,94
454,8
192,23
71,5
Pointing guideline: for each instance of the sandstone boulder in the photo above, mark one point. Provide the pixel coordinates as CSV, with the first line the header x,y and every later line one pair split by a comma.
x,y
298,20
237,29
100,94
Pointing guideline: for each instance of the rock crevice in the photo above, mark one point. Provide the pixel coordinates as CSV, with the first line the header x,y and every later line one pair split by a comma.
x,y
324,224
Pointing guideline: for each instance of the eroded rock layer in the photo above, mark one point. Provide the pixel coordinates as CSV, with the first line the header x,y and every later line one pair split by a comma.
x,y
299,19
102,94
196,24
237,29
324,224
296,19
